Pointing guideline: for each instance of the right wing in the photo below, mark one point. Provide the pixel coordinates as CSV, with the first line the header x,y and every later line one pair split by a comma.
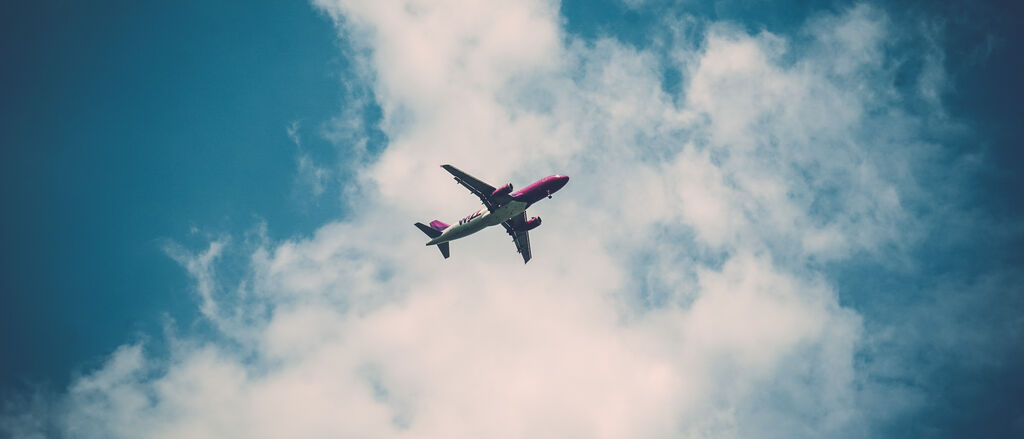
x,y
521,238
477,187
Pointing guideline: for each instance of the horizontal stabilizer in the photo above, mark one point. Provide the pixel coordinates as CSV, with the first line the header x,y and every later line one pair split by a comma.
x,y
445,251
431,232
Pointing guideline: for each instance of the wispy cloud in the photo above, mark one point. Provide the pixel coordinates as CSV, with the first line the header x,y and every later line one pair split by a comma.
x,y
311,176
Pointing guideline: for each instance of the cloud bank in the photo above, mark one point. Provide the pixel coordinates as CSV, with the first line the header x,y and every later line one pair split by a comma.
x,y
682,282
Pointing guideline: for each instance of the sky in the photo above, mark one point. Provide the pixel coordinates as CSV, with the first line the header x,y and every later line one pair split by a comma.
x,y
787,219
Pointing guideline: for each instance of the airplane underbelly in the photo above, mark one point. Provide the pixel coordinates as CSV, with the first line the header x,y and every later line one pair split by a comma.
x,y
463,230
486,219
506,212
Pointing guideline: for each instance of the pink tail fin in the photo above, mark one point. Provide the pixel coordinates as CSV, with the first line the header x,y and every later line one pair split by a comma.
x,y
438,225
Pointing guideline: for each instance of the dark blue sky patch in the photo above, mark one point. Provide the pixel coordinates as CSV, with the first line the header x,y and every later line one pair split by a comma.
x,y
119,121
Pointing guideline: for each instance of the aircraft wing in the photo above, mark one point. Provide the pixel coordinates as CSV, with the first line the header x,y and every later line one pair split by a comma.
x,y
522,239
477,187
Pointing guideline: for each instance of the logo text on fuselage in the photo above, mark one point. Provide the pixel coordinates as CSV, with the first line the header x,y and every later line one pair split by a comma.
x,y
469,218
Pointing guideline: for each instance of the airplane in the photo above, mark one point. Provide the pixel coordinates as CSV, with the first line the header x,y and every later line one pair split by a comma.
x,y
501,206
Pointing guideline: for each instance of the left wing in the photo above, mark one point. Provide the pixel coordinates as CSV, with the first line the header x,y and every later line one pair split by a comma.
x,y
477,187
521,238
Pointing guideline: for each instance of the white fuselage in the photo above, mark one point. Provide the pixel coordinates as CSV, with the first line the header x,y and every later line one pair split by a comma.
x,y
480,220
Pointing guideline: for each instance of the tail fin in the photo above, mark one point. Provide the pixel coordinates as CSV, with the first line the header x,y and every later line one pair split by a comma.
x,y
434,233
431,232
438,225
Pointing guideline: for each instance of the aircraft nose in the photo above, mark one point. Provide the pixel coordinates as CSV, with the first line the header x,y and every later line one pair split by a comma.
x,y
560,181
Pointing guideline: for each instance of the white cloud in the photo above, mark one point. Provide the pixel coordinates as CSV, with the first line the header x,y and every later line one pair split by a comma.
x,y
201,268
311,176
767,164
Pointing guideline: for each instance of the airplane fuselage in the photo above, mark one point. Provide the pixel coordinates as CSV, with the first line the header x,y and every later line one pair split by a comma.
x,y
480,220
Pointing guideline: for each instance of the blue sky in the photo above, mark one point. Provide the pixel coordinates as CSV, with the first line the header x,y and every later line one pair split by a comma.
x,y
118,121
191,190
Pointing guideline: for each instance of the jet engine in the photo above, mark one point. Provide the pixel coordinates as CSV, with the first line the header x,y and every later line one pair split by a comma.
x,y
504,190
531,224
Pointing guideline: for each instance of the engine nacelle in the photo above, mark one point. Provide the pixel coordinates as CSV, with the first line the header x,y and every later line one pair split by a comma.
x,y
504,190
531,224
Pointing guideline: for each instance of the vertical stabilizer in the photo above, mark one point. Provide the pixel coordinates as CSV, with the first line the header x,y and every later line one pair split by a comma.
x,y
438,225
